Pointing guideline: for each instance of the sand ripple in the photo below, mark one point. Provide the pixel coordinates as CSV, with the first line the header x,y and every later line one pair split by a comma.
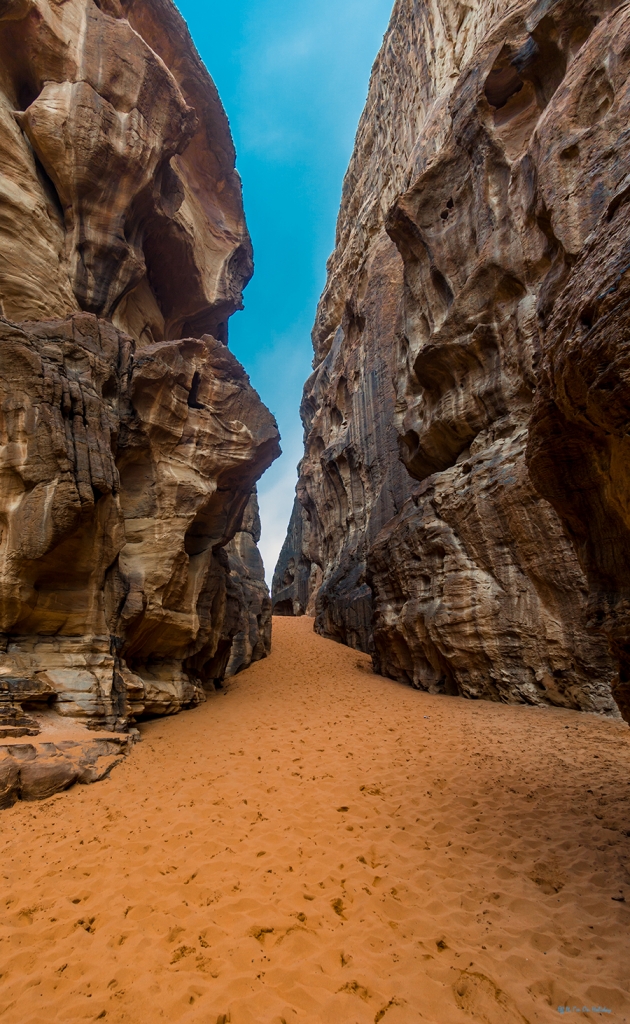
x,y
321,845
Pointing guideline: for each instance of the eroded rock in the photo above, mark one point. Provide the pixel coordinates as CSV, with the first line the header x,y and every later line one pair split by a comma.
x,y
487,153
252,602
122,479
120,196
38,769
130,437
296,579
578,446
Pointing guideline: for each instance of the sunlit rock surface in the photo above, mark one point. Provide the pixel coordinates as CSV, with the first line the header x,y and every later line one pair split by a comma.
x,y
129,581
491,146
119,189
123,478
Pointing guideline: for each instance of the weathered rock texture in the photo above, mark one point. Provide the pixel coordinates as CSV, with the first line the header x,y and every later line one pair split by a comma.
x,y
249,595
35,770
491,148
119,189
128,456
579,452
296,579
351,480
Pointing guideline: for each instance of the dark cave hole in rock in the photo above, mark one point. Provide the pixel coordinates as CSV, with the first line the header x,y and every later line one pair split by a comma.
x,y
111,7
110,387
570,153
587,317
283,608
221,333
193,394
48,700
26,90
501,85
449,206
197,539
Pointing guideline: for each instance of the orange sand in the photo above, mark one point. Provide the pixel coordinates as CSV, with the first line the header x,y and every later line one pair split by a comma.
x,y
322,845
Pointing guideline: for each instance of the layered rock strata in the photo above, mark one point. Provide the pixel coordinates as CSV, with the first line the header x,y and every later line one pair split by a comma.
x,y
491,147
130,438
123,478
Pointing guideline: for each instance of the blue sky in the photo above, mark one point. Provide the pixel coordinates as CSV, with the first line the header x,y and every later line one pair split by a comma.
x,y
293,78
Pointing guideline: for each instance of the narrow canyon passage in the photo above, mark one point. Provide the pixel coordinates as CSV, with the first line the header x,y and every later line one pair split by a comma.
x,y
319,844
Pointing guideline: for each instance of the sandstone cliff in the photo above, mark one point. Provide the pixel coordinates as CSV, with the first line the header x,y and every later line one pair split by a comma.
x,y
578,445
297,579
130,437
251,602
491,147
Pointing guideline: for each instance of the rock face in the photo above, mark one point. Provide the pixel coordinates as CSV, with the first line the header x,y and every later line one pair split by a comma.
x,y
120,193
296,578
38,769
250,598
579,438
130,437
491,148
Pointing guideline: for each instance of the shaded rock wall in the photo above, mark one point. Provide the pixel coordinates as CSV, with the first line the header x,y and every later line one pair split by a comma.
x,y
578,444
296,579
128,456
252,605
467,162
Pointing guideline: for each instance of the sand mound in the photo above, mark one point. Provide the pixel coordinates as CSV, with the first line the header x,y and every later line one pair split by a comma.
x,y
318,844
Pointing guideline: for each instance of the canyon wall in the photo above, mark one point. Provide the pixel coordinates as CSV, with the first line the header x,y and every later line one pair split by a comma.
x,y
579,436
130,438
489,157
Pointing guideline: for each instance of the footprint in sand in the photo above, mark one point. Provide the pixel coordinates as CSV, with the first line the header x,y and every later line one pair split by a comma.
x,y
461,907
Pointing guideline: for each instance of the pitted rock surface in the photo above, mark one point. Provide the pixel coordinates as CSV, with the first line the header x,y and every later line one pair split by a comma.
x,y
578,444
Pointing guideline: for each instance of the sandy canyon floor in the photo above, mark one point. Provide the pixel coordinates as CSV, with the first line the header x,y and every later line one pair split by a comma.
x,y
318,844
